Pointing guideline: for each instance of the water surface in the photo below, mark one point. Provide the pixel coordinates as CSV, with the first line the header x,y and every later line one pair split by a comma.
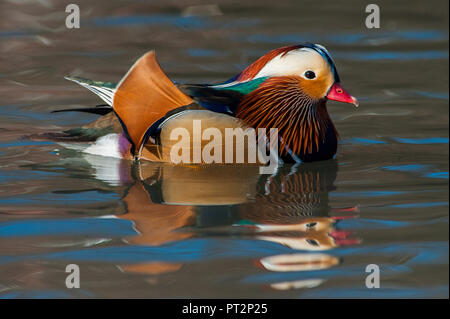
x,y
159,231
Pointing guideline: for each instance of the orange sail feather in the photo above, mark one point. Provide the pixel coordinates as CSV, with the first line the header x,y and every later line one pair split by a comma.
x,y
143,96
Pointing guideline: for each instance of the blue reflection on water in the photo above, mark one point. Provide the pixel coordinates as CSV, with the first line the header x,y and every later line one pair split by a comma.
x,y
22,112
443,175
9,176
157,19
107,227
406,168
350,38
365,223
435,95
393,55
366,194
419,205
429,140
47,294
15,34
24,143
362,141
382,292
196,52
44,294
193,250
83,197
419,168
419,141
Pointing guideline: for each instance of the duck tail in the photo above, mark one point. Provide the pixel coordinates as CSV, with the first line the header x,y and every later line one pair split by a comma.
x,y
105,90
101,109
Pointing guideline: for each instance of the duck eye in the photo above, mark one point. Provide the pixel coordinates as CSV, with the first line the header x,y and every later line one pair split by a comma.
x,y
311,225
310,75
312,242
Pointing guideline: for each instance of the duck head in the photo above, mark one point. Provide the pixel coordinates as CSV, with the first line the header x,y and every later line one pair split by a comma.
x,y
311,64
287,89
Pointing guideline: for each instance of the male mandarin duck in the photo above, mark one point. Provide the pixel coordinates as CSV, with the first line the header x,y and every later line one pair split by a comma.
x,y
286,89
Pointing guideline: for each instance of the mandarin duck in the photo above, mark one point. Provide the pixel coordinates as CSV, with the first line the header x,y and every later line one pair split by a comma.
x,y
286,89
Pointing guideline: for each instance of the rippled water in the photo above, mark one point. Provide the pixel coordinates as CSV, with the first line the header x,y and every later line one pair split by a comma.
x,y
152,230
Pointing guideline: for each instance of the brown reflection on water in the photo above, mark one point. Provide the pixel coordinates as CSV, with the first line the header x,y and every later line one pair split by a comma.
x,y
168,203
292,208
160,202
156,225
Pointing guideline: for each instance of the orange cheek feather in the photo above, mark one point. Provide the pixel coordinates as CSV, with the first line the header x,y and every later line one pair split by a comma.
x,y
316,88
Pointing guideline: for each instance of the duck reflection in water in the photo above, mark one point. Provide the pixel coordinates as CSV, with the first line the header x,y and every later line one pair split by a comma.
x,y
169,203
